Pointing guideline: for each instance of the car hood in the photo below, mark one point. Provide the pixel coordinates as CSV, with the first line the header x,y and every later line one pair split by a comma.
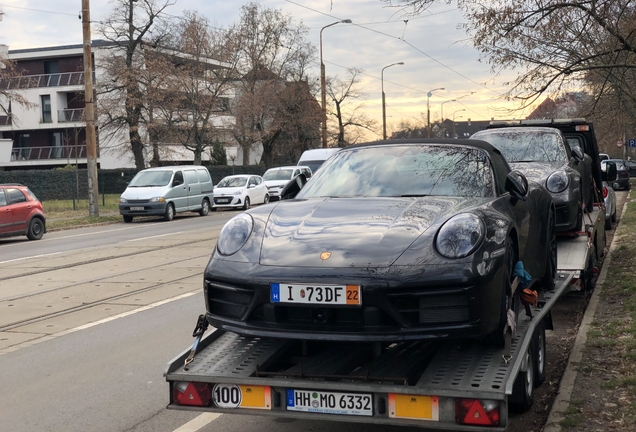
x,y
226,191
273,183
536,171
356,232
143,193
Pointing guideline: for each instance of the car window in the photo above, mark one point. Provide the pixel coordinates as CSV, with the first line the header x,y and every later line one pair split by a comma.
x,y
296,172
258,180
31,194
306,172
232,182
277,174
252,181
204,176
404,170
191,176
151,178
16,196
526,145
3,199
178,176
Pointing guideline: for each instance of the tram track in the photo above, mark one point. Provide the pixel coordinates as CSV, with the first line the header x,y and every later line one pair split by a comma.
x,y
102,279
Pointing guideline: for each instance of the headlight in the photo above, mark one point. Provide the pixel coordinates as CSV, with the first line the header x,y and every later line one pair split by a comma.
x,y
234,234
557,182
123,200
238,192
158,199
460,236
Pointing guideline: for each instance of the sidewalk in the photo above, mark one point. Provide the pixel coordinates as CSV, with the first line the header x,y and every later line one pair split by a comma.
x,y
598,389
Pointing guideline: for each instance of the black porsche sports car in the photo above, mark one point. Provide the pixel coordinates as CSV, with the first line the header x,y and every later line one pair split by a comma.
x,y
543,155
389,241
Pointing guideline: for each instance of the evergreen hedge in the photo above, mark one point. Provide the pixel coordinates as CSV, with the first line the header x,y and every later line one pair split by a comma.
x,y
66,184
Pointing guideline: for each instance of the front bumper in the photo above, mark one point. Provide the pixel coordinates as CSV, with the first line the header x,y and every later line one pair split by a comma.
x,y
231,201
142,208
453,302
567,209
274,193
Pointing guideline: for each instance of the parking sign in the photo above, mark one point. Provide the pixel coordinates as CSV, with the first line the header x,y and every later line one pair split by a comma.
x,y
632,142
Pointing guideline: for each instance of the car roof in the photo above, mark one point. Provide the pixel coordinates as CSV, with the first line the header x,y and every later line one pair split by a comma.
x,y
12,185
241,175
288,167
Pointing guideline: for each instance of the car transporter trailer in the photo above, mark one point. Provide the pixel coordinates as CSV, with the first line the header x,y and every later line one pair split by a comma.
x,y
459,385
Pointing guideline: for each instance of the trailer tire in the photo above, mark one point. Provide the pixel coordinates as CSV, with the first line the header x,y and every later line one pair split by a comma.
x,y
588,273
522,396
539,351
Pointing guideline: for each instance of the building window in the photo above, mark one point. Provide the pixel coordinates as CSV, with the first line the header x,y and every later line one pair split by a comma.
x,y
46,109
52,68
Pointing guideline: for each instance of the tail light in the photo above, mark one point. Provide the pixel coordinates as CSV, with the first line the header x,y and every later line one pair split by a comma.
x,y
477,412
193,394
604,192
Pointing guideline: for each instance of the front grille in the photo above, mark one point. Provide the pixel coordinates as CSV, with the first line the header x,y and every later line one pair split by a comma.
x,y
138,201
432,307
227,300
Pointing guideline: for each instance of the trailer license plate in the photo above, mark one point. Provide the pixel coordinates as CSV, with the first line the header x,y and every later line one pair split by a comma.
x,y
242,396
312,294
416,407
136,209
358,404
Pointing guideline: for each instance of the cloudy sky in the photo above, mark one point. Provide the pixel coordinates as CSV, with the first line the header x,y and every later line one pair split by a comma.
x,y
435,52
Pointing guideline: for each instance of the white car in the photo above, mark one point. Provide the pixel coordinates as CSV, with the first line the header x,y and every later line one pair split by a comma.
x,y
240,191
276,178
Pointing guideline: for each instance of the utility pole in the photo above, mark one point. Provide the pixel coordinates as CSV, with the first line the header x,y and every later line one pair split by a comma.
x,y
89,112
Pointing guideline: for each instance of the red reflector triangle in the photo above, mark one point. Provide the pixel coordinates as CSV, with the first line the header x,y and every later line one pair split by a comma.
x,y
476,415
190,396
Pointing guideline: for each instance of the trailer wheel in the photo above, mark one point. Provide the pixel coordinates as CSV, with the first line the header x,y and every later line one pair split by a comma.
x,y
539,351
522,396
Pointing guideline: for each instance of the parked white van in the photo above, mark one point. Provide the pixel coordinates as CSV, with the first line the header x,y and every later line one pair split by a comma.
x,y
315,157
166,191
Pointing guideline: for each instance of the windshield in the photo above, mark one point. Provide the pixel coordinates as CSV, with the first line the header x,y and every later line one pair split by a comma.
x,y
312,164
278,174
232,182
151,179
404,170
526,146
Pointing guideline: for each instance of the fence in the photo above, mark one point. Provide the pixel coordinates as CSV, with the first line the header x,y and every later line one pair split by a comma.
x,y
70,184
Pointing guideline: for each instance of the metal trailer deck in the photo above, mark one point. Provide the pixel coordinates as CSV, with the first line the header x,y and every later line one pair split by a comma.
x,y
409,383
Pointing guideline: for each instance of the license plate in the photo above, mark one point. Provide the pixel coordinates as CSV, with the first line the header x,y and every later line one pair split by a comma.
x,y
417,407
358,404
136,209
314,294
222,201
242,396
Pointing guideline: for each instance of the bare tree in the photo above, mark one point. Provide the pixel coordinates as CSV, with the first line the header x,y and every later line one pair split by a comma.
x,y
11,80
192,93
273,52
351,124
122,103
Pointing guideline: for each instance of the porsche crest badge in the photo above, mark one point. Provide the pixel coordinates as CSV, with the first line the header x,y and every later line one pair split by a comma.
x,y
325,255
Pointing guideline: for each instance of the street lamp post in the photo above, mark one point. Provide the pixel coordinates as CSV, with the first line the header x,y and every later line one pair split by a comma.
x,y
464,109
442,115
323,85
428,111
383,98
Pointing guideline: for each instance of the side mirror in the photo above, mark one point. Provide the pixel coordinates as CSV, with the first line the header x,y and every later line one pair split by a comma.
x,y
608,171
176,183
578,154
251,186
294,186
517,185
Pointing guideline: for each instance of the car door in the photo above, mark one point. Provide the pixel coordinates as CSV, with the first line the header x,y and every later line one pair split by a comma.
x,y
5,213
20,209
194,189
178,193
262,189
252,191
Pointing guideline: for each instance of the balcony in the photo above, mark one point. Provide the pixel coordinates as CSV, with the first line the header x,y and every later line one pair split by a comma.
x,y
46,80
48,153
68,115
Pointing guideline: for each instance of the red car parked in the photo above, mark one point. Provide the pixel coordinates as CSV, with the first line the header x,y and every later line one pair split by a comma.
x,y
20,212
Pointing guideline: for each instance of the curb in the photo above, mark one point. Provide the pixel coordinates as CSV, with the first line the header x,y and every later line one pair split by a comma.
x,y
562,400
